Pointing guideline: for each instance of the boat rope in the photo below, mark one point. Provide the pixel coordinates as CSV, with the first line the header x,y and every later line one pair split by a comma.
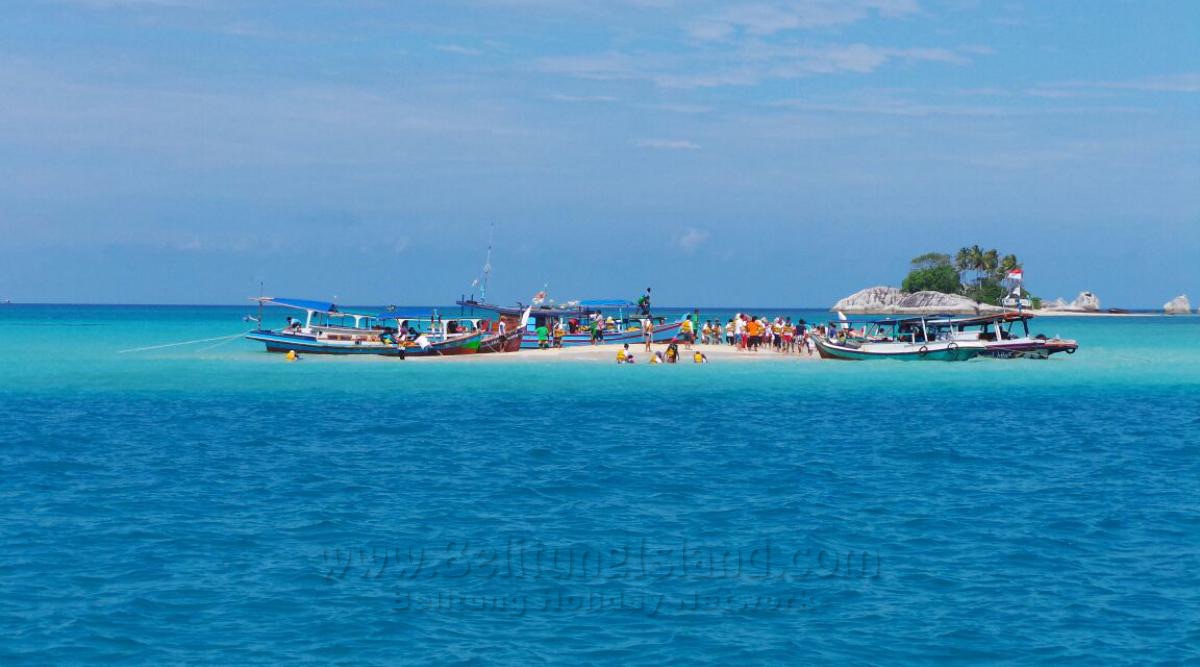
x,y
217,344
186,342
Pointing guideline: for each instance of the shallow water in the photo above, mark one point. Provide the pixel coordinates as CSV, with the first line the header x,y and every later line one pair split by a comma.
x,y
211,503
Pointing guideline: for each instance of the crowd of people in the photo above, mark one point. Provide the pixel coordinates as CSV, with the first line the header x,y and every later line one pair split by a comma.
x,y
752,333
744,331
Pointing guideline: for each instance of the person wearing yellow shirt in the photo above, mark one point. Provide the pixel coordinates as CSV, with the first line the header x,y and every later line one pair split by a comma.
x,y
559,332
625,355
687,332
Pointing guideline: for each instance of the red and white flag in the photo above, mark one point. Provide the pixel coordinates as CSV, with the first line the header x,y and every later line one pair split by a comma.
x,y
1016,274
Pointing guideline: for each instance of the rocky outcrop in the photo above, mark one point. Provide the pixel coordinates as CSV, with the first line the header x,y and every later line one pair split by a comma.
x,y
889,300
1178,306
930,303
1086,302
871,300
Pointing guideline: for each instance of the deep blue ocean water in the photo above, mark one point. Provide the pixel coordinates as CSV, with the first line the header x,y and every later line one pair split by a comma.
x,y
213,504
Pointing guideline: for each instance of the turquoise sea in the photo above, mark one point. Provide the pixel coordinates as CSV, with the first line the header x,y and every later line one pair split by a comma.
x,y
213,504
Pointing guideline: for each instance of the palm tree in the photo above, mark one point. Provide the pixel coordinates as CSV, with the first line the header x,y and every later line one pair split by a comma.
x,y
990,262
1009,264
962,263
977,262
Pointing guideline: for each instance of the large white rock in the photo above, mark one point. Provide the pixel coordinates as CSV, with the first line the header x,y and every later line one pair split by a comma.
x,y
1178,306
871,300
875,300
929,303
1086,301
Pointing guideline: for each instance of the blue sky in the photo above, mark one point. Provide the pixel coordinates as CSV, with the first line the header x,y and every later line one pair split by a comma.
x,y
761,153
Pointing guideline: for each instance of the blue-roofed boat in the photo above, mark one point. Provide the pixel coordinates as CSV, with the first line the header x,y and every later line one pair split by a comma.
x,y
621,322
327,329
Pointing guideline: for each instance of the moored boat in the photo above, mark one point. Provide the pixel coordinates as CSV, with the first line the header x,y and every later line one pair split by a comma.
x,y
1004,335
326,329
901,340
506,337
928,351
619,322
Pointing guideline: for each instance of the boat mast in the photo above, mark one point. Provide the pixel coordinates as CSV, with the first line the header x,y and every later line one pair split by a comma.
x,y
487,264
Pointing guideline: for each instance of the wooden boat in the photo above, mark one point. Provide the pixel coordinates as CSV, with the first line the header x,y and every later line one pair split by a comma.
x,y
900,351
575,316
507,341
901,340
1004,335
326,329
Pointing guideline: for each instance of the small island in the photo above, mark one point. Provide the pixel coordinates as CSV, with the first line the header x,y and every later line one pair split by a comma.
x,y
974,281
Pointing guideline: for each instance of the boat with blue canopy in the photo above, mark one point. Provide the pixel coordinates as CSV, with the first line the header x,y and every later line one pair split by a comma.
x,y
618,320
325,328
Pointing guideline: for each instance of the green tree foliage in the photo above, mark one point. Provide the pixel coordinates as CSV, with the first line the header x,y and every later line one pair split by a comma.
x,y
978,273
931,260
936,278
987,290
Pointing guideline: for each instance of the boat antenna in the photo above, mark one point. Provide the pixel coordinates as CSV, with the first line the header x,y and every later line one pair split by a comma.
x,y
260,304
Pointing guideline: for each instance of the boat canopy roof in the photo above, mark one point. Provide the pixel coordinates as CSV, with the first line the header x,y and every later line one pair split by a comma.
x,y
985,319
390,313
299,304
606,303
891,321
404,314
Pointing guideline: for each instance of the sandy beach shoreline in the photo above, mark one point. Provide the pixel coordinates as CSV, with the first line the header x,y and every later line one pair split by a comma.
x,y
608,354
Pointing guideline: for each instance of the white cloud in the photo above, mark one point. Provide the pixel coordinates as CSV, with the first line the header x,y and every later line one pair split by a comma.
x,y
583,98
681,108
761,19
604,66
133,4
1172,83
667,144
458,49
744,66
899,102
1065,94
691,239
